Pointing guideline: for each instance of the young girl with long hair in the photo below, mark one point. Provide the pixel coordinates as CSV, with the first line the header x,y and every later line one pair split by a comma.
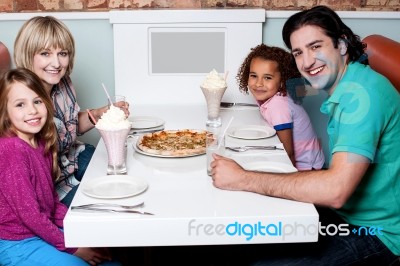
x,y
31,215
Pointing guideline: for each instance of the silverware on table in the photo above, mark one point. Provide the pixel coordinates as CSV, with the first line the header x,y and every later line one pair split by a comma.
x,y
78,208
139,132
105,205
246,148
227,104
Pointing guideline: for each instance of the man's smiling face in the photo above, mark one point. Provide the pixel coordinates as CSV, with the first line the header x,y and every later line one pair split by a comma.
x,y
317,58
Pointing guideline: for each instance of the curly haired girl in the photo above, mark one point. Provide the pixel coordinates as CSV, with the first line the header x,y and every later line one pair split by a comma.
x,y
271,76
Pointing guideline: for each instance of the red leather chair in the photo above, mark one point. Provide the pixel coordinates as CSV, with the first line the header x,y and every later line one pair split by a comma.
x,y
5,60
384,57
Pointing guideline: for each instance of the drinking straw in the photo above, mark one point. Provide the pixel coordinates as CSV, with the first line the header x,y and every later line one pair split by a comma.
x,y
91,116
108,95
223,134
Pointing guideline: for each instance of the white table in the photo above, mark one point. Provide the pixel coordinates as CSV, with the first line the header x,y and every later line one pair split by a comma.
x,y
188,209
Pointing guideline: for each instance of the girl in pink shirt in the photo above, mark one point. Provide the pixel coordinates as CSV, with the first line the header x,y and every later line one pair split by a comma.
x,y
269,73
31,216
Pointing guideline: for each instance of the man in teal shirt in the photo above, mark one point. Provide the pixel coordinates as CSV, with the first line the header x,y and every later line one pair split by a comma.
x,y
364,119
362,184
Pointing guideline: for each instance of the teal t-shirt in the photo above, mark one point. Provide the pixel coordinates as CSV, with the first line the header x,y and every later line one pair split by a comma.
x,y
364,118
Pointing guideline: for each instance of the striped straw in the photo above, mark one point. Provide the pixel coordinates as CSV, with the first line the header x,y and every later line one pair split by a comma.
x,y
108,95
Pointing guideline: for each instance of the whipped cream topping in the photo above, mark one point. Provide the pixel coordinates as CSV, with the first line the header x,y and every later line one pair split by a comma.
x,y
113,119
214,81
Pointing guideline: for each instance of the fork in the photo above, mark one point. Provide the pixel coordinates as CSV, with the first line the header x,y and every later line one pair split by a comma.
x,y
227,104
94,205
140,132
246,148
109,210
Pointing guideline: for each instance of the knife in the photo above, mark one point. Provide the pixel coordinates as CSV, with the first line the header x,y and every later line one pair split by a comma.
x,y
138,132
84,208
226,104
246,148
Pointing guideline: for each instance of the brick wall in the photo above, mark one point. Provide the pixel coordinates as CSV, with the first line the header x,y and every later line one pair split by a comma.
x,y
12,6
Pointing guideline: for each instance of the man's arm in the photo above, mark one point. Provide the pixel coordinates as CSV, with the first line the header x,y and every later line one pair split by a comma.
x,y
330,187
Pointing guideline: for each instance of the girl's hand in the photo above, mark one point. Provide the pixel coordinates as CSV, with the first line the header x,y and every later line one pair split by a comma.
x,y
93,256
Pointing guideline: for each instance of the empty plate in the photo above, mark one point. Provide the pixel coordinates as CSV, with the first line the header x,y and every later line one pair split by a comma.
x,y
272,167
142,122
251,132
114,186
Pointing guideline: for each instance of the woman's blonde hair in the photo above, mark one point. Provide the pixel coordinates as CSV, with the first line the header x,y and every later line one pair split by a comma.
x,y
48,133
41,33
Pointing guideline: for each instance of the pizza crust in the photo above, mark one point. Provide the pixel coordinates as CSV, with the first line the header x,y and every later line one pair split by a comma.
x,y
174,143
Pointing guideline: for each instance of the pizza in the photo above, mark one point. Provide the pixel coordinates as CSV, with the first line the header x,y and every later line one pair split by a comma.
x,y
174,143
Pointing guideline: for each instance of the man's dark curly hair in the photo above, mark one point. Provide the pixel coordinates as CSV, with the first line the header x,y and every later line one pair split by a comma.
x,y
286,66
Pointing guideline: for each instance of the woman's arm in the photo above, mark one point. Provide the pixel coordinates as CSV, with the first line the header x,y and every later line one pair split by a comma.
x,y
84,123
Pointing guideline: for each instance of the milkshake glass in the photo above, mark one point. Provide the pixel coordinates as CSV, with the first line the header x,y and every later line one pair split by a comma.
x,y
213,98
120,98
115,142
114,128
213,88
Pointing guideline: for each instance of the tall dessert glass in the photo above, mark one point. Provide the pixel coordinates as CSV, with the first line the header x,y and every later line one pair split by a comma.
x,y
213,98
114,128
115,142
213,88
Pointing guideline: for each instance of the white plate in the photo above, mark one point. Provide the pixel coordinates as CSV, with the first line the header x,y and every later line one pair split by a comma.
x,y
272,167
142,122
114,186
251,132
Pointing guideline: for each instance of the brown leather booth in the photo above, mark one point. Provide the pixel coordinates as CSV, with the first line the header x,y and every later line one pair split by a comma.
x,y
5,60
384,57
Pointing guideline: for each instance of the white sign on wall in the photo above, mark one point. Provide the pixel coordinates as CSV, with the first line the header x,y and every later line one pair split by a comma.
x,y
162,56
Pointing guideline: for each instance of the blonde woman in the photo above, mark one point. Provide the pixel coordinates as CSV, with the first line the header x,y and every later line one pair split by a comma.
x,y
45,46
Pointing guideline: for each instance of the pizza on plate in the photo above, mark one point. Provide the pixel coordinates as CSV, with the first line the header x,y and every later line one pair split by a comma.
x,y
174,143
